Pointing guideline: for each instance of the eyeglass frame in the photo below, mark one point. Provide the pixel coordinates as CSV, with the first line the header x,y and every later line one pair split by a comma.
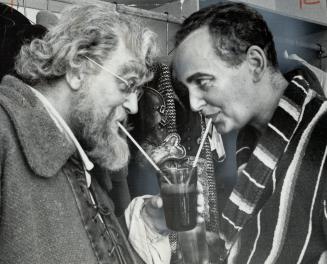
x,y
131,89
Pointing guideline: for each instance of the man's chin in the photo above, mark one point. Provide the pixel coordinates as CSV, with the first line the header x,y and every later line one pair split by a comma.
x,y
112,155
115,166
222,128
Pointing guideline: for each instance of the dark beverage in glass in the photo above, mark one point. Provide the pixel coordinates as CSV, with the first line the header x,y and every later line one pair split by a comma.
x,y
180,198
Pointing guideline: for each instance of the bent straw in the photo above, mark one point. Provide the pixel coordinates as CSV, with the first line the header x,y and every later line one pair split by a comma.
x,y
202,143
143,152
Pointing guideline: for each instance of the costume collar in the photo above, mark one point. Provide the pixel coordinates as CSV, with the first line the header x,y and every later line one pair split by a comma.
x,y
45,147
279,132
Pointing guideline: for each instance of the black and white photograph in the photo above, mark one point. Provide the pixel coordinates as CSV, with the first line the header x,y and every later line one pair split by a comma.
x,y
163,132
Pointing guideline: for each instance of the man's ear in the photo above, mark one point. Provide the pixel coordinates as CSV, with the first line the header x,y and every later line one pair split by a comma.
x,y
74,78
257,62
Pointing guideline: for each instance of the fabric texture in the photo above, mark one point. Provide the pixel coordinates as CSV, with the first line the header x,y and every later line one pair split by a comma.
x,y
47,215
277,210
320,74
151,246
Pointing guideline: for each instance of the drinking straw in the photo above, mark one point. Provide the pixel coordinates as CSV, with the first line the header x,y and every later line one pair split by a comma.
x,y
202,143
143,152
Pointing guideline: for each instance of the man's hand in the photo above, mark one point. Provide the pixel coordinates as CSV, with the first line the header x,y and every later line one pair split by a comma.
x,y
153,213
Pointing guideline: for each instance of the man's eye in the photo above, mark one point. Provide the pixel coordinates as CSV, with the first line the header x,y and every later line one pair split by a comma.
x,y
124,87
203,83
130,87
132,84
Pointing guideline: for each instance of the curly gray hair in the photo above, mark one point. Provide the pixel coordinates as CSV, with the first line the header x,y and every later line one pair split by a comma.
x,y
91,30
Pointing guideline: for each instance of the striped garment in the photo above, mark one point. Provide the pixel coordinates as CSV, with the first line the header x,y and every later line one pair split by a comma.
x,y
277,211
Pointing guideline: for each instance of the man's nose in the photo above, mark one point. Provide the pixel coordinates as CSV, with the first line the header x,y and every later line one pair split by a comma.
x,y
196,102
131,103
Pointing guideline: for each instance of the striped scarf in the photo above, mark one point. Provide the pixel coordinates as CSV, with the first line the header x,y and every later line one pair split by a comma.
x,y
274,213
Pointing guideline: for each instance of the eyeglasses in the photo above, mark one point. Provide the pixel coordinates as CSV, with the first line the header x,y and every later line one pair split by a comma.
x,y
130,86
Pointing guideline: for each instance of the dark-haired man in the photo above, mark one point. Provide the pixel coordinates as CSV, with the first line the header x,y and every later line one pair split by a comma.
x,y
277,210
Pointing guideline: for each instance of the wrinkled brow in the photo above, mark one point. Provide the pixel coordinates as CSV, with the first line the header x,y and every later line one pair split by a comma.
x,y
134,67
137,71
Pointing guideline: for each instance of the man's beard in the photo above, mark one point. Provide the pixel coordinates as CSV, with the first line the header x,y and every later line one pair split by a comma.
x,y
99,135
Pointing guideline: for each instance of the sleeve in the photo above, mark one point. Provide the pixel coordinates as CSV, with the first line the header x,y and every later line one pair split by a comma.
x,y
122,222
152,247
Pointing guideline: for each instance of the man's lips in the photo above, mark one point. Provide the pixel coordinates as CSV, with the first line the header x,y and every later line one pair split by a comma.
x,y
213,116
121,119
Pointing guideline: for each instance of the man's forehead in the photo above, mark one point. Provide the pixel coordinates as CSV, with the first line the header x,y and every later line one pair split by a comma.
x,y
194,51
196,45
124,60
196,38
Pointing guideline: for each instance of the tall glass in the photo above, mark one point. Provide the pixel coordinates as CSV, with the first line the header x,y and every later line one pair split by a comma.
x,y
179,197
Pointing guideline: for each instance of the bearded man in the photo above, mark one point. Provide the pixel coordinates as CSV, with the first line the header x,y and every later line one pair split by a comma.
x,y
75,85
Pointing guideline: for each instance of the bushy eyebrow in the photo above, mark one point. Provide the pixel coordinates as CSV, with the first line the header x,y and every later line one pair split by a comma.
x,y
197,75
133,67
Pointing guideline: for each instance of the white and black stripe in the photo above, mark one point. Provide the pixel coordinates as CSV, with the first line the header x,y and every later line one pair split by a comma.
x,y
278,205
